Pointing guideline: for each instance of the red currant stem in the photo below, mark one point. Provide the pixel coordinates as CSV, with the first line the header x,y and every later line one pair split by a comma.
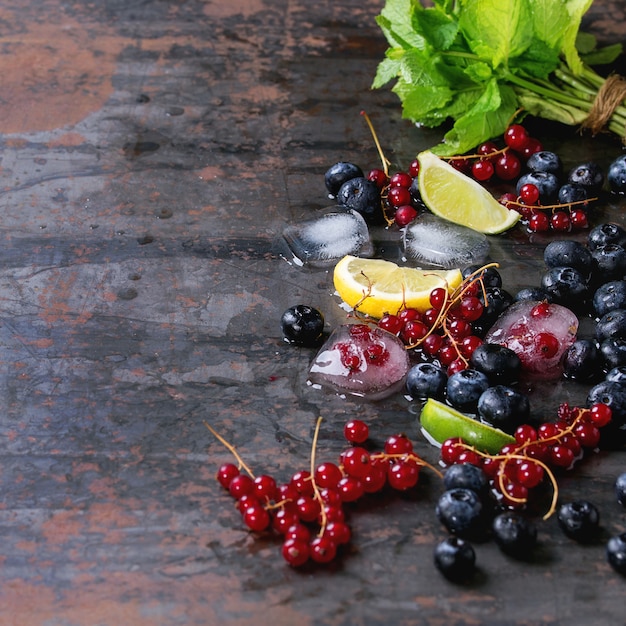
x,y
467,157
409,455
551,206
231,449
514,116
316,489
383,158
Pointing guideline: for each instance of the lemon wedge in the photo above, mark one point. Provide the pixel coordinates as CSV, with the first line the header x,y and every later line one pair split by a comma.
x,y
457,198
376,287
441,422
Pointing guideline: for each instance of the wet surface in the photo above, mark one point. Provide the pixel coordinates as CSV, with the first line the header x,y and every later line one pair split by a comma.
x,y
152,153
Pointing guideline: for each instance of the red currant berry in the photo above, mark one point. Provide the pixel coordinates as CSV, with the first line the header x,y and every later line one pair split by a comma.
x,y
561,455
379,177
471,308
458,365
438,297
248,499
508,200
295,552
308,508
600,414
284,519
516,137
546,345
469,344
450,450
330,497
486,149
514,494
430,316
332,514
339,532
588,435
391,323
322,549
265,487
401,179
226,473
356,431
483,170
327,475
432,344
461,165
286,492
578,219
403,474
529,474
356,462
298,531
413,331
525,433
539,222
532,146
404,215
560,221
547,430
469,456
376,479
447,353
508,166
414,168
459,329
398,444
241,485
529,194
350,488
256,518
399,196
302,483
541,311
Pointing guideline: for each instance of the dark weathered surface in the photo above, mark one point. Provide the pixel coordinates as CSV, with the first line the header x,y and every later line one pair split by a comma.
x,y
152,152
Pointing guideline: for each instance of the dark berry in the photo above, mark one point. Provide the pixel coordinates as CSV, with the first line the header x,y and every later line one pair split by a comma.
x,y
362,196
589,175
616,553
579,520
499,363
532,293
546,182
514,534
611,324
620,489
616,176
606,233
582,361
455,559
613,352
569,193
544,161
460,511
616,375
503,407
568,253
494,300
339,173
426,380
489,276
566,285
302,325
464,388
609,262
610,296
465,476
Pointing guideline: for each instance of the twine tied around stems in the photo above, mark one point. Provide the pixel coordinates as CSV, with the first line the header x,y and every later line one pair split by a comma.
x,y
609,97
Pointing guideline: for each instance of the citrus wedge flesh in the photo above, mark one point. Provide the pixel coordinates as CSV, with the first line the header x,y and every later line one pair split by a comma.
x,y
457,198
441,422
376,287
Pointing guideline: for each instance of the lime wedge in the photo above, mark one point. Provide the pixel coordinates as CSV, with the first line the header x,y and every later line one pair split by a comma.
x,y
441,422
451,195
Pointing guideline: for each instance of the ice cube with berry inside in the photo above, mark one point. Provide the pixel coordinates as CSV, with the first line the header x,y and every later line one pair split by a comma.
x,y
361,360
539,333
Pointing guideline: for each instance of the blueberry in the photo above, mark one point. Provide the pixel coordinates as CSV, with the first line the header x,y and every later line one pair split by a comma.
x,y
460,511
613,352
606,233
362,196
616,553
465,476
495,300
503,407
544,161
582,361
455,558
499,363
611,324
489,276
464,388
569,193
514,534
616,375
620,489
339,173
612,394
532,293
546,182
426,380
608,262
568,253
579,520
566,285
302,325
589,175
610,296
616,175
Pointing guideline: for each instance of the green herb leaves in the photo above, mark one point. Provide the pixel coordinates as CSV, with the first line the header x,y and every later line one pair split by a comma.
x,y
472,60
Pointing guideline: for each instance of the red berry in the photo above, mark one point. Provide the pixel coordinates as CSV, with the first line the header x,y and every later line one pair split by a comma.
x,y
447,354
432,344
430,316
529,193
331,497
487,148
438,297
295,552
399,196
379,177
532,146
459,329
226,473
469,456
529,474
401,179
298,531
469,344
332,514
356,431
284,519
561,455
413,331
404,215
391,323
398,444
256,518
356,462
241,485
450,450
350,488
376,479
539,222
403,474
588,435
516,137
578,219
600,414
546,345
560,221
462,165
508,166
471,308
265,487
322,549
525,433
483,170
327,475
457,365
302,483
339,532
308,508
414,168
508,200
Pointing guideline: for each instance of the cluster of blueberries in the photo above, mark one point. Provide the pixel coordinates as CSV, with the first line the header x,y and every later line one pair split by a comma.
x,y
466,510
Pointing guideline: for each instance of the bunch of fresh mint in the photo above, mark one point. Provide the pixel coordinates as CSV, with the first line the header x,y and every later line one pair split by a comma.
x,y
481,62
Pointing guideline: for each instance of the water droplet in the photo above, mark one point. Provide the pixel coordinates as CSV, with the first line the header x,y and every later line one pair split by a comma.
x,y
127,294
42,226
139,148
174,111
164,214
143,98
134,276
142,241
94,226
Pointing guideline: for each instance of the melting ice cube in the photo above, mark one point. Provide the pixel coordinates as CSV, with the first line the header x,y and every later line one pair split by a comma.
x,y
432,240
361,360
539,333
324,240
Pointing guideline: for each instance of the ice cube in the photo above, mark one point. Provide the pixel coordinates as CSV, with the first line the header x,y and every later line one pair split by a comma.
x,y
431,240
324,240
539,333
361,360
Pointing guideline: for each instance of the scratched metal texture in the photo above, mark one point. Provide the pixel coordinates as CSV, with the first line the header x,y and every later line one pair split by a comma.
x,y
152,153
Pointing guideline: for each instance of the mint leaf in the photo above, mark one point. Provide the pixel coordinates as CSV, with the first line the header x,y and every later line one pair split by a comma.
x,y
576,10
585,42
602,56
550,20
538,61
396,24
437,27
422,102
496,30
386,71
